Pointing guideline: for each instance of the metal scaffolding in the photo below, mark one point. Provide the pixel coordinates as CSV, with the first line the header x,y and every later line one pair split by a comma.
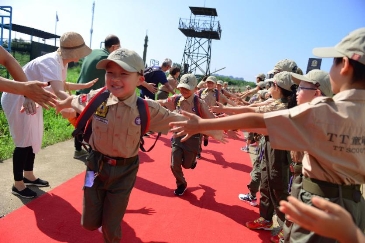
x,y
200,30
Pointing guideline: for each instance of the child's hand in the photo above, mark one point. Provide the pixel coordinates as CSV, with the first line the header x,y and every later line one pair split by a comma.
x,y
91,83
29,106
217,109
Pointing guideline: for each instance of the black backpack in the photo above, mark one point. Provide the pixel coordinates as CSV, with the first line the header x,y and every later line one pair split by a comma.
x,y
83,124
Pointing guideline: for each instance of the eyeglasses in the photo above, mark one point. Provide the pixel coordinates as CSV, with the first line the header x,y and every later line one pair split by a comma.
x,y
304,88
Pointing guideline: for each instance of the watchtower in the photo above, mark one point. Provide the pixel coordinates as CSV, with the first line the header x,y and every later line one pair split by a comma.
x,y
200,30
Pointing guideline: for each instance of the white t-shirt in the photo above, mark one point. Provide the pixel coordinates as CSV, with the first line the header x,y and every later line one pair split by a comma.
x,y
27,130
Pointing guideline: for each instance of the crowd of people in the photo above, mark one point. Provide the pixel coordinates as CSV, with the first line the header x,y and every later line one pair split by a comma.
x,y
306,130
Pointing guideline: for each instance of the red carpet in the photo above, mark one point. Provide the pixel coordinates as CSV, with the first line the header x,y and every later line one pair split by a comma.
x,y
209,211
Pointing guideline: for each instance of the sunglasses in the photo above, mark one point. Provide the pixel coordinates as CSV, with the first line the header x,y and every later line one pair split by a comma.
x,y
304,88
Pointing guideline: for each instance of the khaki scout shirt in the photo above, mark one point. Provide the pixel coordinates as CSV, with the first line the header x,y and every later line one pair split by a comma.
x,y
279,104
187,105
116,124
209,96
173,83
331,131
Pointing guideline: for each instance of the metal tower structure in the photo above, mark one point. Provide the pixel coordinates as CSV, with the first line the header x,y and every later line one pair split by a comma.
x,y
200,30
6,13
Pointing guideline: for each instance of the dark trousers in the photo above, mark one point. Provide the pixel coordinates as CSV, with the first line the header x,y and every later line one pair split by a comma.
x,y
23,160
106,201
274,182
183,155
255,173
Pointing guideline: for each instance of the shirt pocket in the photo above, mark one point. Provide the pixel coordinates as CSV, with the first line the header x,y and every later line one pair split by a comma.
x,y
100,132
133,137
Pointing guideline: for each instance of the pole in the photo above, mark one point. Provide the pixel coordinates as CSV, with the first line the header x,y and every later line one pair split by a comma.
x,y
92,22
55,29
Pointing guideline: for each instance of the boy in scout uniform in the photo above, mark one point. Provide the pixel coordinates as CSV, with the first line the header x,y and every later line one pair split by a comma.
x,y
116,130
184,154
330,130
315,83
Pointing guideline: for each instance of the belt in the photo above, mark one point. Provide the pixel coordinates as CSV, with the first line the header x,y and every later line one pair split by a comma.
x,y
330,190
118,161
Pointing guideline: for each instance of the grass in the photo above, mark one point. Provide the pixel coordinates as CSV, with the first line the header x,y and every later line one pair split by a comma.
x,y
56,128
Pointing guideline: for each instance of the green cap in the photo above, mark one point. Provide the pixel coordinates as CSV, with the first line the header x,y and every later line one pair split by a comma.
x,y
212,79
126,59
188,81
352,46
317,77
283,80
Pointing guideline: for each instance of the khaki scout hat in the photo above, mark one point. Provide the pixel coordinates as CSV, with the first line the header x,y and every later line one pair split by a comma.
x,y
283,79
126,59
352,46
285,65
188,81
262,76
220,82
72,45
261,84
317,77
212,79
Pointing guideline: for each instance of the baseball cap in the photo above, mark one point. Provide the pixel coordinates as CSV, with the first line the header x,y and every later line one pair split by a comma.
x,y
262,76
212,79
220,82
127,59
352,46
317,77
285,65
283,79
188,81
261,84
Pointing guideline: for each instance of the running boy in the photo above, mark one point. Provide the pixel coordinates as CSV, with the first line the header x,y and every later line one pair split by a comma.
x,y
116,129
184,154
331,130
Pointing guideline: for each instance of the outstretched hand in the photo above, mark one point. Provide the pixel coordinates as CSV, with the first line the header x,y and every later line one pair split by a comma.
x,y
326,218
187,128
219,108
90,84
35,91
151,87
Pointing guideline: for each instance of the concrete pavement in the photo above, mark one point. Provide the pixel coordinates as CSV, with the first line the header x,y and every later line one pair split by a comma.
x,y
54,163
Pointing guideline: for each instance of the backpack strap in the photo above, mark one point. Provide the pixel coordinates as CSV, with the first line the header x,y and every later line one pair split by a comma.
x,y
216,94
89,110
197,106
200,92
144,113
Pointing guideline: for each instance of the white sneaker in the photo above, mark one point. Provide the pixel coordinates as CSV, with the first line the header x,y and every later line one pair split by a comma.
x,y
245,149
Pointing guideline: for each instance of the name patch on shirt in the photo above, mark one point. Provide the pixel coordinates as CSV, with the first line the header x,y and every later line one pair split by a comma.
x,y
100,119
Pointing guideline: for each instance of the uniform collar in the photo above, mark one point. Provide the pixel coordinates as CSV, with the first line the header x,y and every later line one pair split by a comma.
x,y
350,95
131,101
189,100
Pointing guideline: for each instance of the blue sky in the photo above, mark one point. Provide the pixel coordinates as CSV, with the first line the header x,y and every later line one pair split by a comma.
x,y
255,34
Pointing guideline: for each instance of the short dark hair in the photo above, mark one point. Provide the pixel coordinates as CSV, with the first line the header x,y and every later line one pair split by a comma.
x,y
359,69
174,70
111,40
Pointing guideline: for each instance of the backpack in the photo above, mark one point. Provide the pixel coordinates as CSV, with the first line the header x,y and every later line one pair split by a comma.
x,y
196,104
148,73
215,90
83,124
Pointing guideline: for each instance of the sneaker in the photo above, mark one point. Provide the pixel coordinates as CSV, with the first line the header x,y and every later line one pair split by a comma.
x,y
198,156
259,223
80,154
245,149
38,182
248,198
253,144
206,142
193,165
180,190
277,238
25,193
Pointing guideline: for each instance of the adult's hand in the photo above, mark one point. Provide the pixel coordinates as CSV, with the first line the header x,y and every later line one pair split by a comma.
x,y
35,91
151,87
